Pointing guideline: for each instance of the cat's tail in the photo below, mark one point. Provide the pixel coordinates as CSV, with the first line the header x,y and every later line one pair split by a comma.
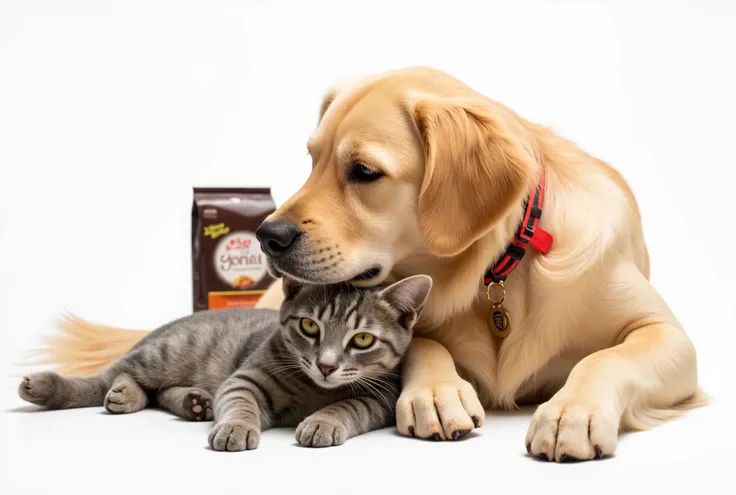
x,y
82,348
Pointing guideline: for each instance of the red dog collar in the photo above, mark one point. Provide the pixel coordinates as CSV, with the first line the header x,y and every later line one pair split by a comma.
x,y
529,233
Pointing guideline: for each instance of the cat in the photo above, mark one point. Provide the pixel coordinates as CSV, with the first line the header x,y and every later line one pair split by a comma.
x,y
328,361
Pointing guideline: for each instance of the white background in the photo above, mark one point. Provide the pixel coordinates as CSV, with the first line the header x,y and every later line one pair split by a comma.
x,y
111,111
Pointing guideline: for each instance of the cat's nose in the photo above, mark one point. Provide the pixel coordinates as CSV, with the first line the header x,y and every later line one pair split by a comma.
x,y
277,236
326,369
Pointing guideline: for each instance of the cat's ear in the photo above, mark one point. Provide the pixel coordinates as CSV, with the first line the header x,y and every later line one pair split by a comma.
x,y
290,287
408,296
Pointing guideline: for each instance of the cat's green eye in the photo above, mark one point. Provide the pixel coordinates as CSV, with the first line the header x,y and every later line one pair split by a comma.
x,y
363,340
309,327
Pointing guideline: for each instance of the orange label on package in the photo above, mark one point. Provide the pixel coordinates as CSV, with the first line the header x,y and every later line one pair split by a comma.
x,y
234,299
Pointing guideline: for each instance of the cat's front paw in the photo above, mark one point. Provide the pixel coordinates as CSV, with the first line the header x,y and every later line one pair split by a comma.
x,y
320,433
234,436
40,388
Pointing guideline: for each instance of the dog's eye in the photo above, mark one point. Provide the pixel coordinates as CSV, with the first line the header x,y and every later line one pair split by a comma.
x,y
362,173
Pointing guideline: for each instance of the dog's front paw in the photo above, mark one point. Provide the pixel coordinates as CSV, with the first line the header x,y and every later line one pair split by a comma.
x,y
568,431
319,433
234,436
446,411
40,388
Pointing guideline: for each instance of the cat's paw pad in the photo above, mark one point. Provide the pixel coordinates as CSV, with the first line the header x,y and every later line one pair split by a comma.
x,y
39,388
234,436
316,433
124,398
196,405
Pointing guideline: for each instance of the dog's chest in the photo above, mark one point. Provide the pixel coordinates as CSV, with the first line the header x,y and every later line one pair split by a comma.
x,y
546,321
533,360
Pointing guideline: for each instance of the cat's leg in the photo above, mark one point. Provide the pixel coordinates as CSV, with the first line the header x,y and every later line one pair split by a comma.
x,y
190,403
238,406
51,390
125,396
344,419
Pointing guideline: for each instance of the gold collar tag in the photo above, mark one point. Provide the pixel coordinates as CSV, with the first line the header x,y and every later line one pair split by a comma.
x,y
500,318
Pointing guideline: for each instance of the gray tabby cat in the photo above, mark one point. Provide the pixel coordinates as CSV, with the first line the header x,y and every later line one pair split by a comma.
x,y
328,361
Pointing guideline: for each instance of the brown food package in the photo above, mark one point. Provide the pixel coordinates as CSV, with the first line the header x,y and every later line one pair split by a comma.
x,y
228,266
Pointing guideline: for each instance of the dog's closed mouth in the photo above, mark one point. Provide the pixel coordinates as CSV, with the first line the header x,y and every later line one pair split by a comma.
x,y
368,274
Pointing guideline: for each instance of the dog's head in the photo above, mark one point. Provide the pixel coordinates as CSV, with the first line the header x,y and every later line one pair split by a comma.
x,y
408,163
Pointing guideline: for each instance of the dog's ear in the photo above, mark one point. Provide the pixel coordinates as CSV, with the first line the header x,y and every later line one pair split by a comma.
x,y
327,100
475,172
337,88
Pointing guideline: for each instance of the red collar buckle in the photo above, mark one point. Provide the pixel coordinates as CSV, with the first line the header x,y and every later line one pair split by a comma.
x,y
528,234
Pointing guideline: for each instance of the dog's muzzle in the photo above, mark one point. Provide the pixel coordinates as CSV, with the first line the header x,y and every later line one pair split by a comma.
x,y
277,237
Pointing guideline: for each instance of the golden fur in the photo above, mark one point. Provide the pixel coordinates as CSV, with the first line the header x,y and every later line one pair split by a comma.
x,y
590,335
82,348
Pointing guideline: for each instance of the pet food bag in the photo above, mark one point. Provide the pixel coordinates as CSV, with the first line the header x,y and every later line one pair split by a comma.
x,y
228,266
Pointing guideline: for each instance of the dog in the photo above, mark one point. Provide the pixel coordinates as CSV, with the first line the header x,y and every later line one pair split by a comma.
x,y
415,172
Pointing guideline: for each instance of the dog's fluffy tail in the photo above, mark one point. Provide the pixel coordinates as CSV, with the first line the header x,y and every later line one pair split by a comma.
x,y
644,418
82,348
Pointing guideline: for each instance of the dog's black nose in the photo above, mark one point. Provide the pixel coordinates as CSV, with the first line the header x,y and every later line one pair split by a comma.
x,y
276,236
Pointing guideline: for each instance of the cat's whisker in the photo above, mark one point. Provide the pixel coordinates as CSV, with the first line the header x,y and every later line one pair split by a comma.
x,y
382,373
272,375
299,370
353,389
381,378
382,397
279,366
282,368
375,390
283,357
389,389
282,354
280,362
382,381
378,375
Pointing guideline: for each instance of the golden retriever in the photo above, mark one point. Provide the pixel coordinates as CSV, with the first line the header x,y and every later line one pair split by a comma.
x,y
415,172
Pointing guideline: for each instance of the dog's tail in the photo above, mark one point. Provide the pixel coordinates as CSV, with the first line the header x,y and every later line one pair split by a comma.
x,y
638,419
82,348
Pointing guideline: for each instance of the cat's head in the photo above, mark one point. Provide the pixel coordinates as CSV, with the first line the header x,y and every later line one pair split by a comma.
x,y
342,334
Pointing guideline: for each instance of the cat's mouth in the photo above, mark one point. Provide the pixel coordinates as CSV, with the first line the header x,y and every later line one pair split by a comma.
x,y
333,380
327,381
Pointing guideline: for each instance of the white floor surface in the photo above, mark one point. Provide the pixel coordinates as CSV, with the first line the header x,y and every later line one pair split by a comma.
x,y
153,452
